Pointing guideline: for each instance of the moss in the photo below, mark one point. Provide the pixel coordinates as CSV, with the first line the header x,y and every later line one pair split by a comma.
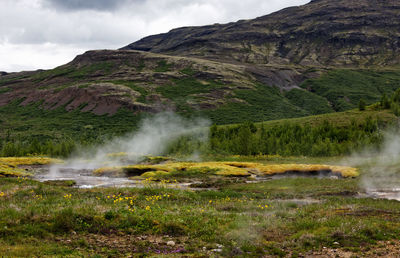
x,y
230,169
4,90
162,67
9,166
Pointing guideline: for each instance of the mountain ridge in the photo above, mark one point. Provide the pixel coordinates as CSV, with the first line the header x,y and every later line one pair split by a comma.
x,y
333,29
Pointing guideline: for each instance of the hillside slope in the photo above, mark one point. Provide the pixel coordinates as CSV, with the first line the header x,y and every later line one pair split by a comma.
x,y
308,60
321,33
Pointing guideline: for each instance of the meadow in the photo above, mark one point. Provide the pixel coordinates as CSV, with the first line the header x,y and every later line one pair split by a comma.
x,y
234,207
224,216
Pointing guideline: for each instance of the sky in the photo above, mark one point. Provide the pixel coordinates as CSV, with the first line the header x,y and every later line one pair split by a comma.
x,y
43,34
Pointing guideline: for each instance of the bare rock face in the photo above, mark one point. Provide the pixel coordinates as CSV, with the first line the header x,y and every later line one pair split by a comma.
x,y
321,33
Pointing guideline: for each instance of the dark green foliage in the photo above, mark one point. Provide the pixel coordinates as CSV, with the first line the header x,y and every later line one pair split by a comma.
x,y
188,71
4,90
262,103
392,103
361,105
133,86
385,102
308,101
74,73
162,67
294,140
181,89
141,66
33,130
344,88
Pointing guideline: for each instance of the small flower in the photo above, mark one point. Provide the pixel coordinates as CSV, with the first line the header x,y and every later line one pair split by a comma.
x,y
148,208
68,196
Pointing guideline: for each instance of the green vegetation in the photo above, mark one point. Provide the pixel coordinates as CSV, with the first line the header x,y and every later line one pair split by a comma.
x,y
326,139
74,73
4,90
141,66
344,88
322,135
4,81
361,105
181,89
133,86
261,104
162,67
188,71
308,101
33,130
299,215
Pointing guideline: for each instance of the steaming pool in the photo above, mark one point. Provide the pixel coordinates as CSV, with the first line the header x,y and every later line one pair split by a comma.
x,y
86,179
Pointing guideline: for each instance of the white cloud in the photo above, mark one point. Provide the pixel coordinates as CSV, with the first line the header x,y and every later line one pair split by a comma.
x,y
46,33
23,57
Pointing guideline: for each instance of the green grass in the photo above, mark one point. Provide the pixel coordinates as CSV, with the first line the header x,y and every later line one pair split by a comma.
x,y
276,217
344,88
338,119
181,89
33,122
162,67
71,72
4,90
188,71
263,103
131,84
308,101
9,80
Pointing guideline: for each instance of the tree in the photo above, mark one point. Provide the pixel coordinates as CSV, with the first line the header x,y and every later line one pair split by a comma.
x,y
385,102
362,105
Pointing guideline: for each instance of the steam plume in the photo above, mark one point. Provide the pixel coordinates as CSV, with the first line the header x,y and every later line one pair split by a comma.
x,y
152,138
381,168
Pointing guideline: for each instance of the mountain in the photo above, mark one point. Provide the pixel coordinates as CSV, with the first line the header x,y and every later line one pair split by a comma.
x,y
321,33
317,58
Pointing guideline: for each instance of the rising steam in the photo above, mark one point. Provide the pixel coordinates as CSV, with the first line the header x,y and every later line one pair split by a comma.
x,y
152,138
380,168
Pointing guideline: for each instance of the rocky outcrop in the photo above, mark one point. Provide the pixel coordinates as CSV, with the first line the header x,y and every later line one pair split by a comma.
x,y
321,33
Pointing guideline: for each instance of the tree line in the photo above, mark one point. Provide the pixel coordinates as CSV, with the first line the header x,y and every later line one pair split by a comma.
x,y
325,139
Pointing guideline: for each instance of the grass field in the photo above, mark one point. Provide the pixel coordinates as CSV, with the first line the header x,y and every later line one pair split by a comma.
x,y
283,217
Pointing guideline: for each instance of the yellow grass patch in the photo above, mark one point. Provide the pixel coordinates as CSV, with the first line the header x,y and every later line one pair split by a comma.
x,y
9,166
282,168
228,168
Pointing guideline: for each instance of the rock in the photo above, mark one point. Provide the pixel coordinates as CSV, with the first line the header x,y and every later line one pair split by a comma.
x,y
336,243
170,243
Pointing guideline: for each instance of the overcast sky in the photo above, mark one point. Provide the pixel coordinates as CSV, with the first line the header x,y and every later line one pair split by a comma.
x,y
42,34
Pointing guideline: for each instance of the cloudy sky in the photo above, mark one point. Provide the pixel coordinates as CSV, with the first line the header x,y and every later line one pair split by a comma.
x,y
42,34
